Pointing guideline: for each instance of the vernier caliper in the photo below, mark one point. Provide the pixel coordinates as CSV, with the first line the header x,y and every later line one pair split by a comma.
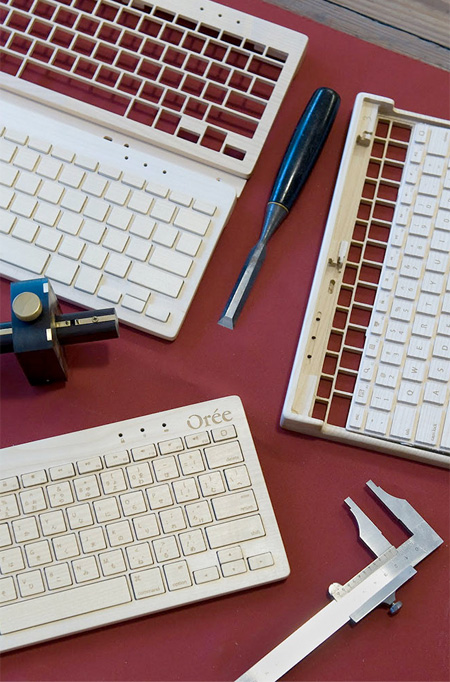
x,y
374,585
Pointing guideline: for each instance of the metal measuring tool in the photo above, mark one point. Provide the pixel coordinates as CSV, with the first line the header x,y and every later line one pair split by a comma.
x,y
374,585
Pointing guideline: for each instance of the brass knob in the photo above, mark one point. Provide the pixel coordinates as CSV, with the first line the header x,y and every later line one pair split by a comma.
x,y
27,306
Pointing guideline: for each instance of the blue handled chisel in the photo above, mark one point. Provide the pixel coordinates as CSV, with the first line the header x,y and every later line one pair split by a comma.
x,y
304,148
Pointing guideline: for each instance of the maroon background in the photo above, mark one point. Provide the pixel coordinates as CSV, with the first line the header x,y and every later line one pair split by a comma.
x,y
308,478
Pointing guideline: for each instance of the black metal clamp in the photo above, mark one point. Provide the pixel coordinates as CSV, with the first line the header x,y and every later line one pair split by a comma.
x,y
38,331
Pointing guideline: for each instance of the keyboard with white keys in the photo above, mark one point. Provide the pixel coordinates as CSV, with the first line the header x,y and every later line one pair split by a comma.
x,y
130,518
105,223
404,378
372,366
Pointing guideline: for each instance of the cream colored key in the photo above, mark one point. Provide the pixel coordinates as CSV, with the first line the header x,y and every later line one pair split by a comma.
x,y
139,555
65,604
147,583
429,425
235,531
177,575
235,504
30,583
223,454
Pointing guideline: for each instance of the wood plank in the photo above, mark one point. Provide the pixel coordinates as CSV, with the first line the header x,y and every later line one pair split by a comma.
x,y
416,28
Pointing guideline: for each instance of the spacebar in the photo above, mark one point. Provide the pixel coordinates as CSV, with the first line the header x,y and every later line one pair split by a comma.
x,y
66,604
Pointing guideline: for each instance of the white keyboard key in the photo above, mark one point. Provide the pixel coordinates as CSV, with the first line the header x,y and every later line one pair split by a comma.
x,y
7,221
169,260
429,424
26,159
88,280
425,205
50,191
421,132
110,294
49,168
158,312
95,185
432,283
409,392
429,185
435,392
116,240
62,269
440,240
73,201
47,214
133,180
24,255
147,583
117,265
188,244
138,249
92,231
109,171
48,239
27,182
6,197
204,207
117,193
60,152
445,441
17,136
94,256
157,189
7,150
441,348
162,210
70,223
192,221
96,209
154,278
133,303
140,202
433,165
72,177
71,247
25,230
439,369
165,235
403,422
142,227
21,205
66,604
232,532
445,199
234,504
86,162
8,175
439,143
120,218
180,198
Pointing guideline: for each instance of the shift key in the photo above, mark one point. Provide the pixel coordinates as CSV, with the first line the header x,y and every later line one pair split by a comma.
x,y
238,530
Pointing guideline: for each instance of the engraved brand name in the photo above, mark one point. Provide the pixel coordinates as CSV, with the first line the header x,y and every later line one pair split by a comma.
x,y
196,421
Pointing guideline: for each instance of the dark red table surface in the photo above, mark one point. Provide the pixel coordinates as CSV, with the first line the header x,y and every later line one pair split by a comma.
x,y
308,479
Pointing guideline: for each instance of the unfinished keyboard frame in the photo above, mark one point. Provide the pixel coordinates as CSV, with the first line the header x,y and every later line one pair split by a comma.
x,y
332,339
203,82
